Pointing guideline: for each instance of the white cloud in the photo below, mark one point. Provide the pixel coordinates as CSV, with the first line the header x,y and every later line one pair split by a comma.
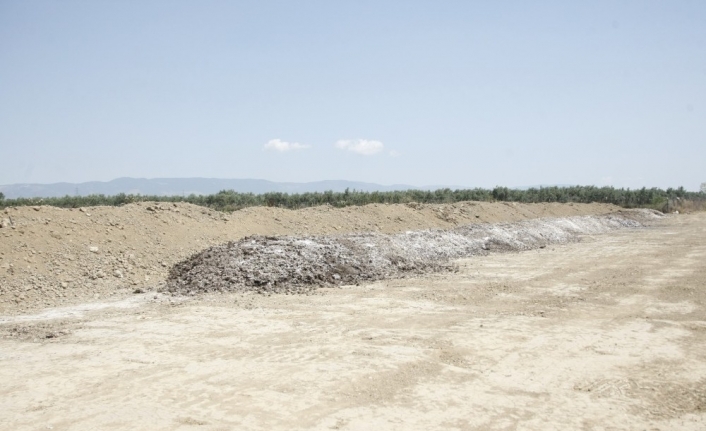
x,y
363,147
283,146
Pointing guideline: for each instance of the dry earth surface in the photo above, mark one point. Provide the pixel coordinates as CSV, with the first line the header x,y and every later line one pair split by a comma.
x,y
605,334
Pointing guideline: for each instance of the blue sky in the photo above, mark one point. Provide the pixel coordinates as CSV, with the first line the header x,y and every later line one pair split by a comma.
x,y
436,92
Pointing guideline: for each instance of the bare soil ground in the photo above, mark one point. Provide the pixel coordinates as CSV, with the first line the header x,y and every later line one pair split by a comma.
x,y
608,333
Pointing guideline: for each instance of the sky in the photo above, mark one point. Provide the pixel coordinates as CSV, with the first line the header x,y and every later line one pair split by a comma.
x,y
464,93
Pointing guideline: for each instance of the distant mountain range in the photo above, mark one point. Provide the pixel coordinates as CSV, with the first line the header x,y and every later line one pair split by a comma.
x,y
187,186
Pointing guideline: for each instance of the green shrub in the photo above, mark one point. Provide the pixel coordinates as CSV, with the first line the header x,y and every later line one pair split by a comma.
x,y
229,200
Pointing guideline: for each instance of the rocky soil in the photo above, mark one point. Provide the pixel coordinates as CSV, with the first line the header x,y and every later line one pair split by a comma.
x,y
52,256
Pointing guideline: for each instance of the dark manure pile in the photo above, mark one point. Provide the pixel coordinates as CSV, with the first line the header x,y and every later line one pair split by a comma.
x,y
287,264
298,264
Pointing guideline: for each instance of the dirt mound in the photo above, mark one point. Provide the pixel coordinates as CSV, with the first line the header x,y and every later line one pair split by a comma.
x,y
52,256
295,264
286,264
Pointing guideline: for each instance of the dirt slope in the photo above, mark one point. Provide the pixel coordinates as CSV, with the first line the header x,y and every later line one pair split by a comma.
x,y
51,256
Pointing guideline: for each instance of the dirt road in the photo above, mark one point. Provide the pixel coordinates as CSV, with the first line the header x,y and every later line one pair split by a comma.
x,y
605,334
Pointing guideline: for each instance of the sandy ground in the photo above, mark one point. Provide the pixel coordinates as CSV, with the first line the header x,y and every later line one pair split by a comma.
x,y
605,334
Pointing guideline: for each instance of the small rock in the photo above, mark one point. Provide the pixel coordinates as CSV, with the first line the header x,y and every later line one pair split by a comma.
x,y
118,273
5,223
36,208
93,249
138,290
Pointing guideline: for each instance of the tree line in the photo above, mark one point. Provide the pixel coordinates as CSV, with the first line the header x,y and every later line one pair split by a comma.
x,y
229,200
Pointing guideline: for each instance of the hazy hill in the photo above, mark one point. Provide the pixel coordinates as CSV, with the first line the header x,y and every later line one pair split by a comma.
x,y
187,186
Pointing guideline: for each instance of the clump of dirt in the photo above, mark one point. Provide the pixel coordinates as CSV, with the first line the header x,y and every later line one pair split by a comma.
x,y
297,264
37,332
